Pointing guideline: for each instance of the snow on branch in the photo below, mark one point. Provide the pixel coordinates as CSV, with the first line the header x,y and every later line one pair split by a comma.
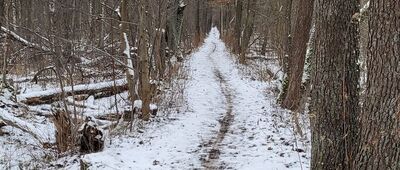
x,y
18,123
24,41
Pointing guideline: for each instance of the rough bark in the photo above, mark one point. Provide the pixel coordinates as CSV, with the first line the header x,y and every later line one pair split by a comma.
x,y
298,53
2,18
91,137
334,94
197,37
238,26
248,30
125,50
287,36
5,45
144,62
380,118
174,24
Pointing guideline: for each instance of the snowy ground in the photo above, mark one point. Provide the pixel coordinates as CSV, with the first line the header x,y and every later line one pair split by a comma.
x,y
232,122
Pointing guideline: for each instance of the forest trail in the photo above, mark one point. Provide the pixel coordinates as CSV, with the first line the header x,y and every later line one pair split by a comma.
x,y
231,123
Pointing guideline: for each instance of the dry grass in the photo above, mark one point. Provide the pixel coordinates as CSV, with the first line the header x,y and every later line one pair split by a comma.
x,y
172,90
66,131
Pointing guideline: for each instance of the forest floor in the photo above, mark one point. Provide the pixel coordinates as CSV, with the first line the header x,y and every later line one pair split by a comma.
x,y
215,114
231,122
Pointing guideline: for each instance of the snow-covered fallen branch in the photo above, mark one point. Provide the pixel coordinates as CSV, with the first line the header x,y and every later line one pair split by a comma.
x,y
24,41
103,89
18,123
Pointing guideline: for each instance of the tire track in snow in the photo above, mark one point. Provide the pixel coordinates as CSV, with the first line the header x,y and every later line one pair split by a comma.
x,y
213,146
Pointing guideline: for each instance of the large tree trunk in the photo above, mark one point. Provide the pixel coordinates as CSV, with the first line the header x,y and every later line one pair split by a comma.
x,y
380,118
300,38
334,95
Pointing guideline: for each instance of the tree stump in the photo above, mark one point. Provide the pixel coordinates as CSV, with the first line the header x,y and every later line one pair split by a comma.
x,y
91,137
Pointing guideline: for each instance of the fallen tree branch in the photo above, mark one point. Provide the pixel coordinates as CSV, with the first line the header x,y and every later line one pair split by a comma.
x,y
18,123
262,58
98,90
24,41
36,76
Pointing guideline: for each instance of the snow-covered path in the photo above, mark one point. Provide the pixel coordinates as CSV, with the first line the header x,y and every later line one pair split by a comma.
x,y
231,124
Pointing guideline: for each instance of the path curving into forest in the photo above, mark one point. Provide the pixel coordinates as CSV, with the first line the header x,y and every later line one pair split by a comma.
x,y
232,122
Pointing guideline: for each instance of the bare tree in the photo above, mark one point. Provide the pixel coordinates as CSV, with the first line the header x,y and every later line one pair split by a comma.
x,y
248,29
300,39
174,25
238,26
144,61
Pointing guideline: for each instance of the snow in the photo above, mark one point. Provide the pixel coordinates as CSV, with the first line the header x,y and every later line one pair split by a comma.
x,y
25,134
260,135
69,89
153,107
24,41
182,4
118,11
138,104
127,53
364,8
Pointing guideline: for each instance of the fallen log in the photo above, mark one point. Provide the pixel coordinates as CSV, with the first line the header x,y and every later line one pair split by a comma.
x,y
98,90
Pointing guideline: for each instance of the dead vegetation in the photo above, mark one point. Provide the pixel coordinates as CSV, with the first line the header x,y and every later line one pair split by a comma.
x,y
65,134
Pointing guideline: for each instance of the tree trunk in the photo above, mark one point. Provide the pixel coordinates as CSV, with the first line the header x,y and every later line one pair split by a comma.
x,y
2,18
287,37
197,37
159,64
5,51
174,25
334,95
264,43
300,38
380,118
144,62
130,73
238,26
248,30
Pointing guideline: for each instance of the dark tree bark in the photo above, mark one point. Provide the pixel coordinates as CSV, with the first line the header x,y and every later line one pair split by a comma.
x,y
248,30
5,45
2,19
174,24
26,16
197,36
287,37
238,26
380,118
298,53
334,95
144,60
